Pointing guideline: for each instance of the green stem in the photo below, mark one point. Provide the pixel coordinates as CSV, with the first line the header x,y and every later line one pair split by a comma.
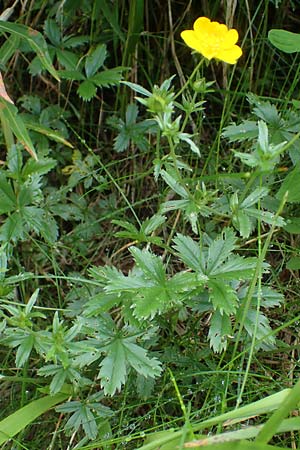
x,y
272,425
188,81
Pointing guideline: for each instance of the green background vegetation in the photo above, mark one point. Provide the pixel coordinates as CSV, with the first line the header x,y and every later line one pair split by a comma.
x,y
149,227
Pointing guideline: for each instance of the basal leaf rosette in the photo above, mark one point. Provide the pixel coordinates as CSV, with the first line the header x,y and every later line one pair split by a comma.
x,y
213,40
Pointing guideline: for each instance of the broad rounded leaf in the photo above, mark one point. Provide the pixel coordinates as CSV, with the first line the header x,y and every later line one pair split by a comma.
x,y
284,40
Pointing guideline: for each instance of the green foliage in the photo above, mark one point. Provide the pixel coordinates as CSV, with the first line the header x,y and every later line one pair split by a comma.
x,y
285,40
131,132
133,242
90,78
84,413
22,199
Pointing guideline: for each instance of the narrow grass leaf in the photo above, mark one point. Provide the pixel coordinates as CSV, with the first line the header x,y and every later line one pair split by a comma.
x,y
17,421
17,125
35,40
53,135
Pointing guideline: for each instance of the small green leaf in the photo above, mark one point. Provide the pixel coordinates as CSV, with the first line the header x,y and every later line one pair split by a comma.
x,y
24,350
291,185
7,196
293,263
95,60
174,184
137,88
235,268
254,197
150,301
108,77
257,325
247,130
219,331
293,225
113,368
151,225
41,167
49,133
87,90
12,229
73,75
242,223
52,31
266,216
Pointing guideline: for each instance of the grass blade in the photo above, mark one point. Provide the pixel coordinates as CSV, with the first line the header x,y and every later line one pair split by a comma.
x,y
35,40
16,422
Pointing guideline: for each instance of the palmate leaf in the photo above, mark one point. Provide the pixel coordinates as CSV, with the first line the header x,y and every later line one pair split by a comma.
x,y
222,296
159,298
113,368
257,325
247,130
85,413
87,90
121,353
108,77
189,252
83,417
150,301
151,265
219,250
95,60
235,268
242,222
219,331
138,359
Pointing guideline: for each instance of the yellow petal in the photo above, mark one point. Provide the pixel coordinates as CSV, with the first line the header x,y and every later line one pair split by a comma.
x,y
231,38
191,39
231,55
201,23
218,29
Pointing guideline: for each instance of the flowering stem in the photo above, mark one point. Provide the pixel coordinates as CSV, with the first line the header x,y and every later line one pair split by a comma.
x,y
173,156
190,77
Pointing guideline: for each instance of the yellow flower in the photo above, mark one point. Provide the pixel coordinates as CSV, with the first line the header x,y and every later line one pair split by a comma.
x,y
213,40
